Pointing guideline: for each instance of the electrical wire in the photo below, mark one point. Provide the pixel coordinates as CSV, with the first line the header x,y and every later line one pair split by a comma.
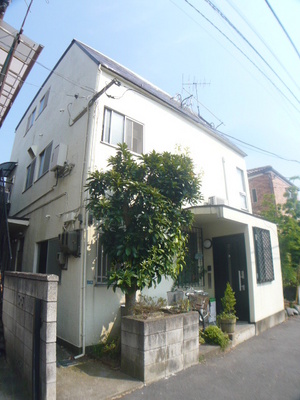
x,y
216,9
86,88
207,109
245,55
283,28
237,10
228,51
260,149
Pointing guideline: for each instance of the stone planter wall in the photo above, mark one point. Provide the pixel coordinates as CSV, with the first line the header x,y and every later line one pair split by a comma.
x,y
156,348
29,307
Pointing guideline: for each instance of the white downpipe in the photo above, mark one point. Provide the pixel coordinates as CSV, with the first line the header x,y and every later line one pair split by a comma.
x,y
87,153
83,291
225,178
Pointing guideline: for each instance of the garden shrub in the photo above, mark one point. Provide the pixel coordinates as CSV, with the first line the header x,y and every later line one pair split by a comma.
x,y
214,335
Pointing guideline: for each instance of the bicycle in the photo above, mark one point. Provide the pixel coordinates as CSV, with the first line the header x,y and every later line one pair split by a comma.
x,y
199,301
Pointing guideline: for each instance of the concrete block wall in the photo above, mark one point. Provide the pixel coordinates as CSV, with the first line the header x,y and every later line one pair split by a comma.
x,y
156,348
21,293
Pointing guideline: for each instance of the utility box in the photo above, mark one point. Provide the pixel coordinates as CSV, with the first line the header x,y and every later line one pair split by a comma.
x,y
70,243
59,157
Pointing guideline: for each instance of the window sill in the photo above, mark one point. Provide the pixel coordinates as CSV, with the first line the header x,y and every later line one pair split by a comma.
x,y
114,146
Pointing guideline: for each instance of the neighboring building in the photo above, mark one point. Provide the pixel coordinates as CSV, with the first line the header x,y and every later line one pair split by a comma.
x,y
266,181
85,107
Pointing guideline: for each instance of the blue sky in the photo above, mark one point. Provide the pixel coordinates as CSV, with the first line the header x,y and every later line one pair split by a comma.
x,y
169,43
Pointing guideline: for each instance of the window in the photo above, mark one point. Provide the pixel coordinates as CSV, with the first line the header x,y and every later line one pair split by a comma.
x,y
120,129
30,174
242,189
45,160
44,102
263,255
254,196
103,265
30,120
192,273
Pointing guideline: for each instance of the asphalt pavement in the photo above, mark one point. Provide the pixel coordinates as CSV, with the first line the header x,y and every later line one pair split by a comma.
x,y
262,368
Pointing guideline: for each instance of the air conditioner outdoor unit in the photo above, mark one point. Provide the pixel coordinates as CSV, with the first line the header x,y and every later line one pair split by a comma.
x,y
215,201
59,157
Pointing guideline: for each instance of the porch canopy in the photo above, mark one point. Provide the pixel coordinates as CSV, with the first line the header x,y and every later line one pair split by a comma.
x,y
17,226
222,215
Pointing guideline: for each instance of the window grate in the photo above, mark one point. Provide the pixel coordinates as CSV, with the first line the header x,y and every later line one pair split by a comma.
x,y
193,272
103,266
263,255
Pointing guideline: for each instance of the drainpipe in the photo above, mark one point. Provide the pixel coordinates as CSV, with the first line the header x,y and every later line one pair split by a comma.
x,y
225,179
84,234
87,151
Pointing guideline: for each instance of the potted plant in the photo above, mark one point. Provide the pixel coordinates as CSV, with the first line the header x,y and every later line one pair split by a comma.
x,y
228,317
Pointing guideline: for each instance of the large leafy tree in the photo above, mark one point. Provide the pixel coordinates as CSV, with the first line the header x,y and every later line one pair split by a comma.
x,y
287,218
139,205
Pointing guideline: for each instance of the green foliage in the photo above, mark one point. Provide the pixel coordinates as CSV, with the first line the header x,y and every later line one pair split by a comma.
x,y
228,302
287,219
107,349
214,335
138,203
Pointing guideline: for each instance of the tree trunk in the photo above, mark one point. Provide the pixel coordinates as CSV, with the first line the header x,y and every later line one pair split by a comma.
x,y
130,300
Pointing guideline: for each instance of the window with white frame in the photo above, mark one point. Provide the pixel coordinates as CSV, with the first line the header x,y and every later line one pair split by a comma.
x,y
30,174
45,160
242,189
43,102
30,120
118,128
263,255
103,266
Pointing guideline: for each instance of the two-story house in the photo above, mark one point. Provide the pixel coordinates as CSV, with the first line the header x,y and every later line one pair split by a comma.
x,y
266,181
87,105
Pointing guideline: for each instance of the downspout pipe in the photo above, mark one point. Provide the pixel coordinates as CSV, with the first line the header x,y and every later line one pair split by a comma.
x,y
84,242
87,152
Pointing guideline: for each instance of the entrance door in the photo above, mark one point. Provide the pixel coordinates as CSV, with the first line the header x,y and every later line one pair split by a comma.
x,y
230,266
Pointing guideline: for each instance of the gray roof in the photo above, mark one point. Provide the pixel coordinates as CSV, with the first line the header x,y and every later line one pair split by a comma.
x,y
129,76
144,85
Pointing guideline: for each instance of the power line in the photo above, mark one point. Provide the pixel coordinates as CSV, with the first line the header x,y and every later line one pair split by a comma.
x,y
86,88
260,149
244,54
215,8
236,9
197,101
282,27
225,48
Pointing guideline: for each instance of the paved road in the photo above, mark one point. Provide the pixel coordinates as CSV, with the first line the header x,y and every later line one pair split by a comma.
x,y
266,367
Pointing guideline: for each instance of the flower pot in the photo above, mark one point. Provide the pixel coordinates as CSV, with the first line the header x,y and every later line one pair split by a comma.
x,y
228,324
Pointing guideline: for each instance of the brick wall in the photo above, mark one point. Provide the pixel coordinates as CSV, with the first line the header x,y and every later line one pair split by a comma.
x,y
266,184
263,186
153,349
26,294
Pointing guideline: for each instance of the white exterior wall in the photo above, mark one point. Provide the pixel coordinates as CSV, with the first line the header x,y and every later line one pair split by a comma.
x,y
164,130
265,299
62,196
